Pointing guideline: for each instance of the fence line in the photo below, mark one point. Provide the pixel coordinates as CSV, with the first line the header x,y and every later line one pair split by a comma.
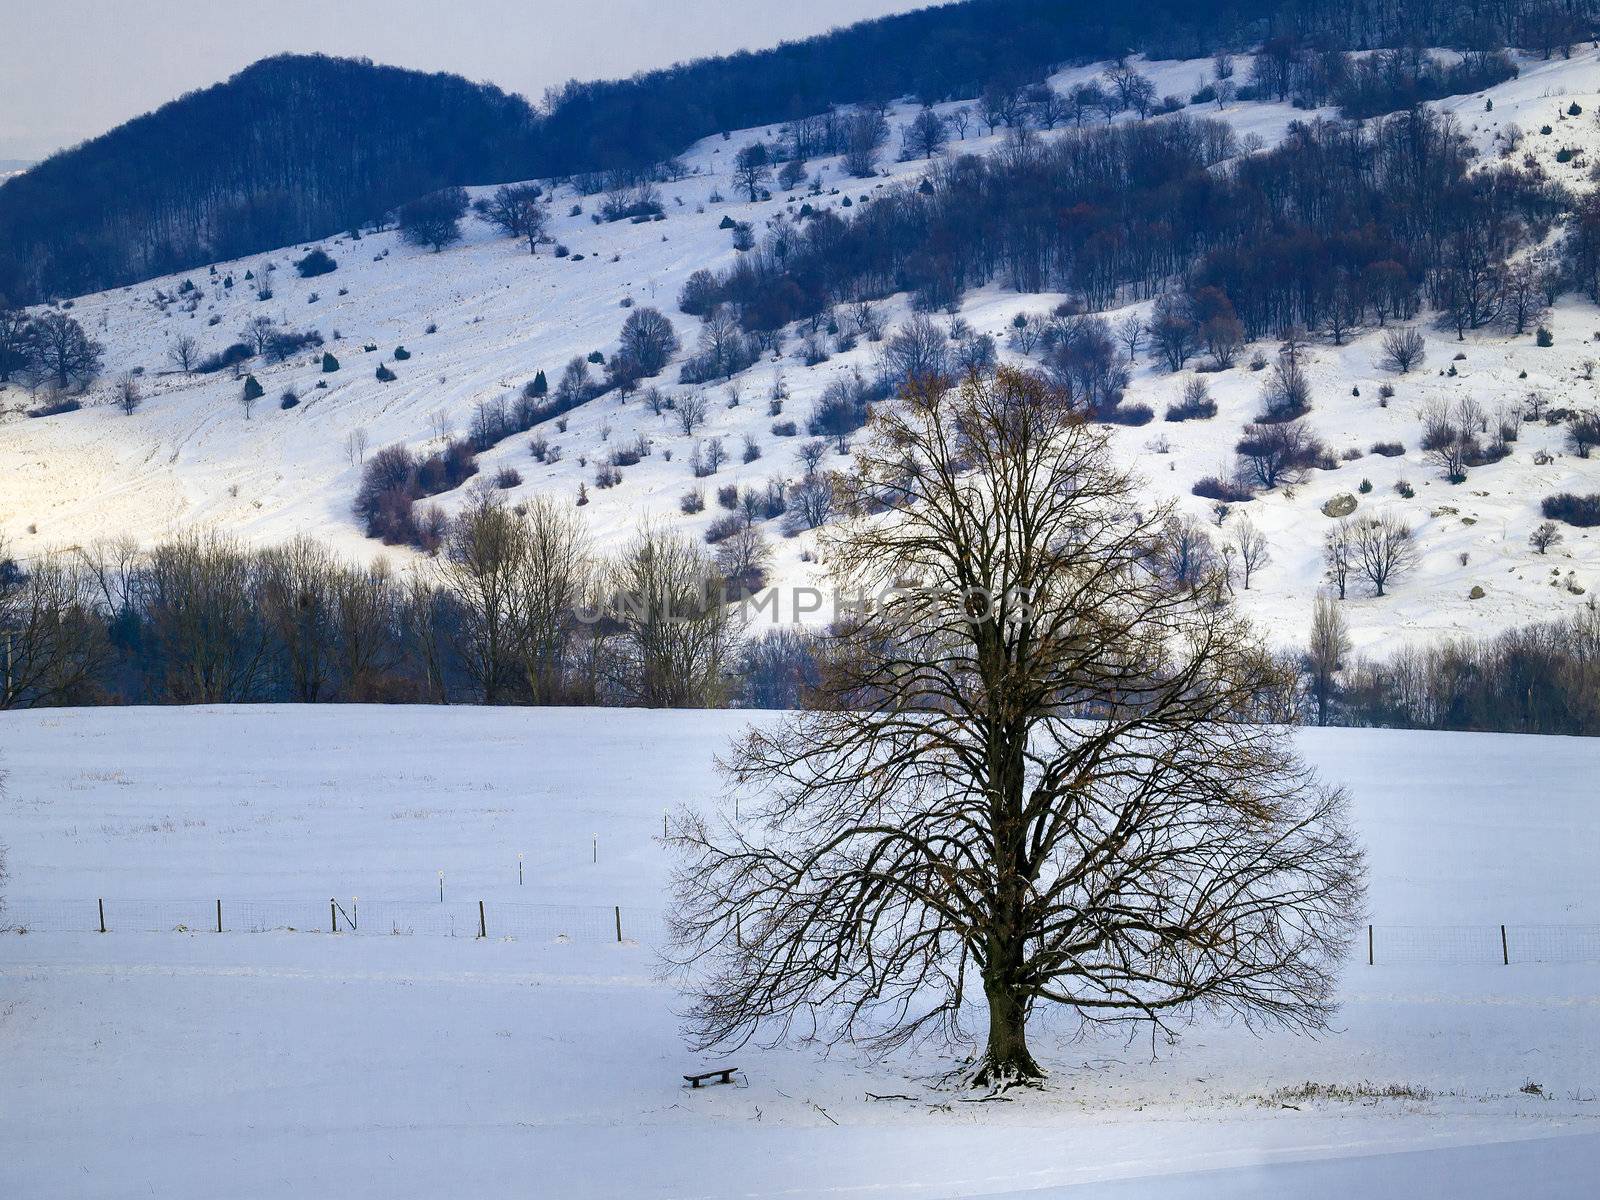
x,y
390,918
1467,944
1385,944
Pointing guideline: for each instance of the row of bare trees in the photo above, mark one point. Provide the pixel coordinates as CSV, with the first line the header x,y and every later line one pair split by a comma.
x,y
516,608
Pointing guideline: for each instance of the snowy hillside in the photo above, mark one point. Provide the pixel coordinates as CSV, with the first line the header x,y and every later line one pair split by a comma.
x,y
191,457
193,1064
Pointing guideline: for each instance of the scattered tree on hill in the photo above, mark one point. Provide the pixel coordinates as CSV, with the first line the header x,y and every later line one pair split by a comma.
x,y
1250,547
1382,548
648,340
924,137
128,393
67,356
434,220
1402,350
183,352
1273,454
752,167
867,133
517,211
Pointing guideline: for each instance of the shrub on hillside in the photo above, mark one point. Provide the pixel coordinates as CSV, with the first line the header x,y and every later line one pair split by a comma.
x,y
318,262
1583,511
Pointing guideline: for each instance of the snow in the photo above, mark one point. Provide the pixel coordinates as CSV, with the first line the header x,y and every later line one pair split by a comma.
x,y
273,1064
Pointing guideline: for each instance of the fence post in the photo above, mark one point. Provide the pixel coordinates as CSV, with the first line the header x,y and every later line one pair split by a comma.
x,y
219,916
1369,945
333,915
1505,948
483,926
618,910
102,904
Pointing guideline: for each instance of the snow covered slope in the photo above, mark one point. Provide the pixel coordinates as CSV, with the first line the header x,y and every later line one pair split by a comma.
x,y
189,1065
190,457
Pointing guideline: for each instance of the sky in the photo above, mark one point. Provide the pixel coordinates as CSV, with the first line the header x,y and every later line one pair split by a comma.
x,y
70,69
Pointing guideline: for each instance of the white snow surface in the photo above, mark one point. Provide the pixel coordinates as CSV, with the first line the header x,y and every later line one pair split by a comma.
x,y
193,1064
190,459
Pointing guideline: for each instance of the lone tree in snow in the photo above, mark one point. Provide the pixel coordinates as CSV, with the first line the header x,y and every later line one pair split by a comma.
x,y
435,219
751,168
517,211
1402,350
1032,771
68,357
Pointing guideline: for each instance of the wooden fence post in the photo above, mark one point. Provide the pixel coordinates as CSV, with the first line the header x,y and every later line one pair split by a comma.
x,y
483,926
102,904
333,915
1369,945
617,909
219,916
1505,948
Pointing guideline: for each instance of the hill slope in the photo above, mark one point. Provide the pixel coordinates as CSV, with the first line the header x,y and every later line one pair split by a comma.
x,y
193,457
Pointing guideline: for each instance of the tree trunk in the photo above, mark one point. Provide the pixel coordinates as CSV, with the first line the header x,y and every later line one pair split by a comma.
x,y
1006,1060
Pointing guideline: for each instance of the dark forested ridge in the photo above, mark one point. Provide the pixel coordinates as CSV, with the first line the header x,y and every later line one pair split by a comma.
x,y
296,147
289,147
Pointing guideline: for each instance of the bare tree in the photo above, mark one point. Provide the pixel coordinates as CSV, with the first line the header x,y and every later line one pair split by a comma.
x,y
1330,643
947,822
751,168
67,356
1383,548
648,340
918,349
355,444
864,138
18,342
556,570
434,220
52,632
1547,534
1271,454
924,137
691,411
517,211
200,597
183,352
128,394
482,561
1402,350
297,603
1130,332
676,637
1250,544
1338,555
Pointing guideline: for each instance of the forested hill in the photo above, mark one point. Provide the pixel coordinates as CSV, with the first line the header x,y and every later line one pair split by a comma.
x,y
288,146
298,147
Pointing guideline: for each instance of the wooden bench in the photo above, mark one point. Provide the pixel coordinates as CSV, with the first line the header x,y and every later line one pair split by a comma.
x,y
725,1075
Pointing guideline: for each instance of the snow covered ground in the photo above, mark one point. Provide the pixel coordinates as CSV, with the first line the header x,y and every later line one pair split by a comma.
x,y
190,458
276,1064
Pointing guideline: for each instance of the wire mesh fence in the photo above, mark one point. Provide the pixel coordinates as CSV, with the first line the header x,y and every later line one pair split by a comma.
x,y
581,923
391,918
1467,944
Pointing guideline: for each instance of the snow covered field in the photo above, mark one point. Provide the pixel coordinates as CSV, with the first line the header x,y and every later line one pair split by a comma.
x,y
190,458
289,1064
